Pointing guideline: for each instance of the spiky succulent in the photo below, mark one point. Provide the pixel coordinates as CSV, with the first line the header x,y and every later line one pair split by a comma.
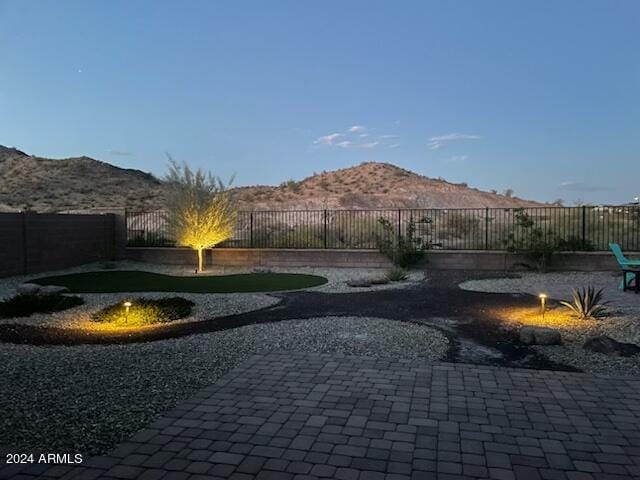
x,y
586,303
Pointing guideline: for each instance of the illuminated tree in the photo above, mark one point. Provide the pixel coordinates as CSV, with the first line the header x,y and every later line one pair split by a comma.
x,y
199,209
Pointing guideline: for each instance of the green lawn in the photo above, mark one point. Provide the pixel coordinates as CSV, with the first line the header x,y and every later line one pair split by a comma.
x,y
136,281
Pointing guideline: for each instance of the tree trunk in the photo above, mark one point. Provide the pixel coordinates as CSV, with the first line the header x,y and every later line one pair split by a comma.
x,y
199,260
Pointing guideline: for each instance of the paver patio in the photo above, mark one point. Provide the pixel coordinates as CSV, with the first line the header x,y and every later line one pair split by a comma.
x,y
288,415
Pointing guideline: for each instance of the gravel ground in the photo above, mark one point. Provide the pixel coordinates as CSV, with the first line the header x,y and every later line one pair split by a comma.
x,y
624,328
622,323
559,286
336,276
207,306
86,399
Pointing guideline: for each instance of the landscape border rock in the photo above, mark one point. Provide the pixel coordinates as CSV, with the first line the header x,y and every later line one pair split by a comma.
x,y
28,288
52,290
608,346
540,336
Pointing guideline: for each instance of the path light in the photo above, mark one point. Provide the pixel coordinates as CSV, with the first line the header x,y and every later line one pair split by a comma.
x,y
127,306
543,303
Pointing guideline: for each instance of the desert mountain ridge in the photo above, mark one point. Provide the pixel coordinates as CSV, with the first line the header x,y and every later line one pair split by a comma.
x,y
83,183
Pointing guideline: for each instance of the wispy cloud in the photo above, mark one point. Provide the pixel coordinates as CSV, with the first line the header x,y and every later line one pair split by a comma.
x,y
331,139
457,159
441,141
584,187
357,136
120,153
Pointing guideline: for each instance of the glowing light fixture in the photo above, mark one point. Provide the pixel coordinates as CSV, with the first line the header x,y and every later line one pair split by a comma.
x,y
543,303
127,306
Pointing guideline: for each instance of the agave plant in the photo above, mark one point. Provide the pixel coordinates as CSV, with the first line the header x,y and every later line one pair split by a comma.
x,y
586,303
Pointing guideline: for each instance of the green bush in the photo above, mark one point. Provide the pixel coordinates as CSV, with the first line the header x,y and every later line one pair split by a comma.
x,y
573,243
406,250
533,242
24,304
396,274
145,311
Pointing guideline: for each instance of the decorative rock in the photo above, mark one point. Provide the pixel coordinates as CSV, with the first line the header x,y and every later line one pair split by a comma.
x,y
359,282
52,290
379,280
540,336
261,270
611,347
28,288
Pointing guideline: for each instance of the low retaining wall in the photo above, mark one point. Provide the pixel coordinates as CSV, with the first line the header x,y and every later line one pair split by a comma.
x,y
498,260
262,257
435,259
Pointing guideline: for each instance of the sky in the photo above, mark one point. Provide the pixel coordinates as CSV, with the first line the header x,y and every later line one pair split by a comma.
x,y
542,97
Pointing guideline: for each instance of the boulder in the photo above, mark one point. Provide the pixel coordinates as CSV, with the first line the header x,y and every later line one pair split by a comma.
x,y
540,336
52,290
261,270
28,288
359,282
611,347
379,280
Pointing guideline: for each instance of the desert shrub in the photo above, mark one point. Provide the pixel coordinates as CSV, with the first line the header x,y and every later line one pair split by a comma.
x,y
149,239
396,274
200,211
354,231
24,304
145,311
281,235
573,243
586,303
292,185
533,242
406,250
299,237
460,225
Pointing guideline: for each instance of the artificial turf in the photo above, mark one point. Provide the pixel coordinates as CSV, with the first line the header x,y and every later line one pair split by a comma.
x,y
137,281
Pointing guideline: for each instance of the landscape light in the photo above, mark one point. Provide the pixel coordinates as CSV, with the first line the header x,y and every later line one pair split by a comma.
x,y
543,303
127,305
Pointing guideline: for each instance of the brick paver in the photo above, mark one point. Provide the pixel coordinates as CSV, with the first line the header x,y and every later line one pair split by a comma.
x,y
302,416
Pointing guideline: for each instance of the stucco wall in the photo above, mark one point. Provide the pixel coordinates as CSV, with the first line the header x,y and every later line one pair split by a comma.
x,y
37,242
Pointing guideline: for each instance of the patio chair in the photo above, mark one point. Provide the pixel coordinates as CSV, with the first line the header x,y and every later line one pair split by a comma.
x,y
625,264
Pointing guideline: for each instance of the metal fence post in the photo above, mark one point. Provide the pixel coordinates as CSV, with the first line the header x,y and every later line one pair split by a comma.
x,y
584,227
486,228
324,233
25,247
251,230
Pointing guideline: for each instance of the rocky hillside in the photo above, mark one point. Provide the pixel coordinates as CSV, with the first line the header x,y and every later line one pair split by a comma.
x,y
46,185
82,183
372,185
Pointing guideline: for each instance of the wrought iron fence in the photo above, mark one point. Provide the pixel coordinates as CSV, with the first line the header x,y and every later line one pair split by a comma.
x,y
578,228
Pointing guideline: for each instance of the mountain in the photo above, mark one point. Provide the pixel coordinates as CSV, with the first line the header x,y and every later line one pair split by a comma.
x,y
372,185
82,183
